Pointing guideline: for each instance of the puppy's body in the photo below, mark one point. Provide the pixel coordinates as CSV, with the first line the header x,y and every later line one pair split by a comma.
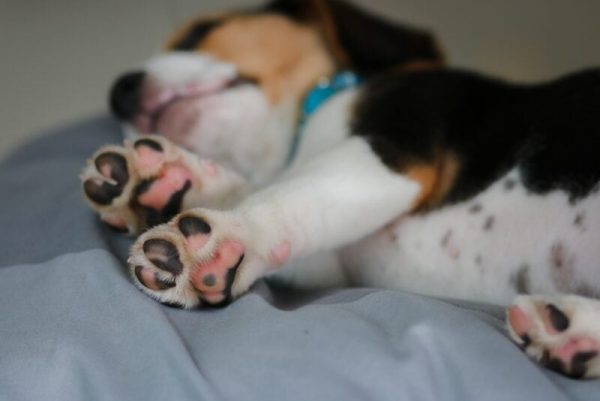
x,y
521,211
436,181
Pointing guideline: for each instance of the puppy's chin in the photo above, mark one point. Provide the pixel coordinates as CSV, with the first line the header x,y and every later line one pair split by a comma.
x,y
216,126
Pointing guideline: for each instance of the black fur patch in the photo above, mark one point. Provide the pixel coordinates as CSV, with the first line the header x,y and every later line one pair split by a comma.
x,y
550,132
372,43
191,40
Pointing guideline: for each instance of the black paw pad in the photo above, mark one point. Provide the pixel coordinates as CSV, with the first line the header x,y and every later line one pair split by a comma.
x,y
149,143
190,225
579,363
163,255
113,165
158,283
559,320
100,192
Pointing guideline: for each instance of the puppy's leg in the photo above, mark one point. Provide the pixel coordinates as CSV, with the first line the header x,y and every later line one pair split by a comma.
x,y
147,182
561,332
205,256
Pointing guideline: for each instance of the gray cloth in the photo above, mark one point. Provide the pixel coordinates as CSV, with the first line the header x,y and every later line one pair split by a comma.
x,y
72,327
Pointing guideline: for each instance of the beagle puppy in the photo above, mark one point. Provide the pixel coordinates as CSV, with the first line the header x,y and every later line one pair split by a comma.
x,y
317,144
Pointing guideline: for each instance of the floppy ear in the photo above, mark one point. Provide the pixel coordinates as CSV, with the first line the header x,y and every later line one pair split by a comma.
x,y
361,41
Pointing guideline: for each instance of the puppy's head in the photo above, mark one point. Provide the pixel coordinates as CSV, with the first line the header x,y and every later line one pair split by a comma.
x,y
228,86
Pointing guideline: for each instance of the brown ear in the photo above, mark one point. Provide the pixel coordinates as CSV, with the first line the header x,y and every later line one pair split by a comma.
x,y
360,41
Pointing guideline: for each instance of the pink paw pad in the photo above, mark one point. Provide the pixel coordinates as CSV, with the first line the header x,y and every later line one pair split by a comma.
x,y
159,192
213,278
148,155
518,320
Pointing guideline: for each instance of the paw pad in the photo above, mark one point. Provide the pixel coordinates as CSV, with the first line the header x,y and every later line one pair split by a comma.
x,y
113,168
163,255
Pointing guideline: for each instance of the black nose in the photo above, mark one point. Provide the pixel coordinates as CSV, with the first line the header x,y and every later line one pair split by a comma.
x,y
125,94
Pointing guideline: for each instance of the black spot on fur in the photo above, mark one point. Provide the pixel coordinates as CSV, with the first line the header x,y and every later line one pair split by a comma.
x,y
446,239
562,267
148,143
559,320
190,225
163,254
579,363
579,221
521,280
489,223
476,208
479,260
550,133
509,184
198,32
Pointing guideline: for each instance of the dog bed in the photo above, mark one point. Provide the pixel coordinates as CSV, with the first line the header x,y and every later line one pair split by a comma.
x,y
72,327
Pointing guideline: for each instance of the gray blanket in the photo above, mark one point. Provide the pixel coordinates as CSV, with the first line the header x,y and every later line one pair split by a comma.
x,y
72,327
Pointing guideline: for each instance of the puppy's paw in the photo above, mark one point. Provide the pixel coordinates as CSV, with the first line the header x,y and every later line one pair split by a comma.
x,y
147,182
561,332
199,258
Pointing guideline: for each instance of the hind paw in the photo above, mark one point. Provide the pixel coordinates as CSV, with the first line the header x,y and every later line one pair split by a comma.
x,y
560,332
201,257
147,182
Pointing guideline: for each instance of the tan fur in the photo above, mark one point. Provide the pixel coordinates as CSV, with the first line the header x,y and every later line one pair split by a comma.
x,y
435,179
287,58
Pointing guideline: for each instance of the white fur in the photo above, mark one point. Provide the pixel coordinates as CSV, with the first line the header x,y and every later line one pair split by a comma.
x,y
417,254
237,126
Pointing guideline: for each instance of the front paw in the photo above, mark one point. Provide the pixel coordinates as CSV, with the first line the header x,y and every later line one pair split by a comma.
x,y
149,181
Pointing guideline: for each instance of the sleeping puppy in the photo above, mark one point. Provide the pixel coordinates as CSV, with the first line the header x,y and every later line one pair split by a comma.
x,y
313,142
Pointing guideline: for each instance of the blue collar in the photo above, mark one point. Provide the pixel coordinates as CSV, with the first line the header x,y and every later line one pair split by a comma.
x,y
316,97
